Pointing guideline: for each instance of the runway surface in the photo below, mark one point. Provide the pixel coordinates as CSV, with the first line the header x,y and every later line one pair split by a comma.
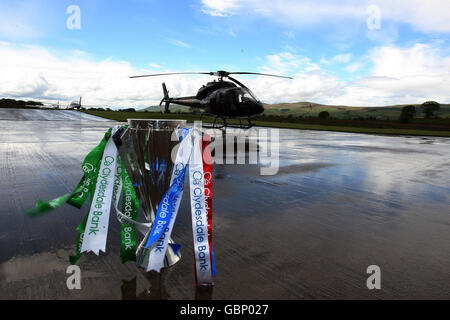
x,y
339,203
46,115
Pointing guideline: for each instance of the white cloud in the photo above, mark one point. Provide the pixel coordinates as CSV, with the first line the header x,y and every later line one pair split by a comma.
x,y
387,34
353,67
312,86
300,12
402,75
398,75
220,8
340,58
155,66
35,73
429,15
416,61
289,48
288,63
309,82
179,43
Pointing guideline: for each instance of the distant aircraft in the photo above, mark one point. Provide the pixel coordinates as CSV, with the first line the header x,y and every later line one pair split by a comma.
x,y
55,106
76,105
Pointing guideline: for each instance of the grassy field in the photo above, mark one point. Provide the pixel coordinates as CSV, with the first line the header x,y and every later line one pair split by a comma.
x,y
420,127
302,109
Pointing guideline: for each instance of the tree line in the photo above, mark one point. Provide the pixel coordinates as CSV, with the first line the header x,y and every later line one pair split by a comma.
x,y
428,109
11,103
407,113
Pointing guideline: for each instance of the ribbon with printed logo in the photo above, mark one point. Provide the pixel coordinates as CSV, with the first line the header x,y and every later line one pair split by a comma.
x,y
160,230
130,208
208,184
158,249
199,214
81,193
105,180
96,230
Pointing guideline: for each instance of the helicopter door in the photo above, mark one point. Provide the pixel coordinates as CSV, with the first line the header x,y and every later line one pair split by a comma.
x,y
231,98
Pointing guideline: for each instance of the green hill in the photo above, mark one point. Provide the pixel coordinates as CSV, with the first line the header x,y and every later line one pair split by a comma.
x,y
297,109
345,112
174,108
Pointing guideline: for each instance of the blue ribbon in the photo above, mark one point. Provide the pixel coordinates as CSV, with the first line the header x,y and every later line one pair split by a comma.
x,y
165,207
184,132
213,263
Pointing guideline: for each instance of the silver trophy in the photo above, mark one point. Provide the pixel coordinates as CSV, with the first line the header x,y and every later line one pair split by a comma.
x,y
145,148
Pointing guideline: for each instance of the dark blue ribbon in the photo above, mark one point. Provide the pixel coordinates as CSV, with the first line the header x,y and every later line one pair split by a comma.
x,y
169,198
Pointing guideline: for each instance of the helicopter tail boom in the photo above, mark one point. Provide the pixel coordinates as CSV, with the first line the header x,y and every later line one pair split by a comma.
x,y
184,101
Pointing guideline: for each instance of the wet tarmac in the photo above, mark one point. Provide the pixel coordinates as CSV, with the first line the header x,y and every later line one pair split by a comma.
x,y
339,203
46,115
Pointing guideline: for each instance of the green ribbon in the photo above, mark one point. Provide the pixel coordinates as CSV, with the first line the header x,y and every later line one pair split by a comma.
x,y
91,167
130,208
84,189
80,229
42,206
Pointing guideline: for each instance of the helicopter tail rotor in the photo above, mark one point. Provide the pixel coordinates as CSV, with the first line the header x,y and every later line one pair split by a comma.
x,y
166,99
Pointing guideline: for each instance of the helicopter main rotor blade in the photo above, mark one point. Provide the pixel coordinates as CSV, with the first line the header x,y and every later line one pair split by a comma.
x,y
261,74
168,74
217,73
237,82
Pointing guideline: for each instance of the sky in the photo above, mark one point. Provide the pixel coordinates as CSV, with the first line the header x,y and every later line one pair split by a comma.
x,y
347,52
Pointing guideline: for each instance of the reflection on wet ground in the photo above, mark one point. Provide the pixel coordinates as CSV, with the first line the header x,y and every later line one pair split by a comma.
x,y
46,115
340,203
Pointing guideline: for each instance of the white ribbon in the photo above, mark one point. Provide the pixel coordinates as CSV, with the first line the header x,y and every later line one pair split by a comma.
x,y
117,189
199,214
108,189
96,231
158,250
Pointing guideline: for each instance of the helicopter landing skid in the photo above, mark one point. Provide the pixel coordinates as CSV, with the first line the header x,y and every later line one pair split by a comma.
x,y
226,125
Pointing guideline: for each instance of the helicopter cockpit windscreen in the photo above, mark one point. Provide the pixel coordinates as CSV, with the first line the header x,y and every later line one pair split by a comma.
x,y
247,95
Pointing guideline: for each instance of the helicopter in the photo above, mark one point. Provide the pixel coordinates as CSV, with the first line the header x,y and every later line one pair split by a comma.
x,y
222,99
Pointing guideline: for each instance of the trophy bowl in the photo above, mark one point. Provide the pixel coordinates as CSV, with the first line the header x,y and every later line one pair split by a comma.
x,y
145,148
